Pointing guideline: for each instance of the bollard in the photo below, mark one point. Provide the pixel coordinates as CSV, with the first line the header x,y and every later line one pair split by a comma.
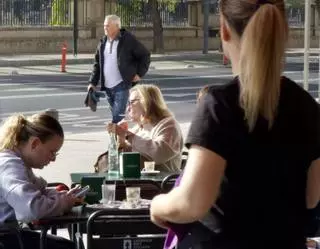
x,y
64,57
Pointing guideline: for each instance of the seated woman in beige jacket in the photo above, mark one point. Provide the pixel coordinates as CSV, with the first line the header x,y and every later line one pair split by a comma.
x,y
157,135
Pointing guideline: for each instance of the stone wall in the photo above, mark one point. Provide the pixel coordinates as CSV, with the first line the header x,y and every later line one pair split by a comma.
x,y
33,40
296,38
50,40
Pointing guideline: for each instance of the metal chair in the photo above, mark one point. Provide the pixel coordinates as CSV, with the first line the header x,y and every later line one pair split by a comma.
x,y
79,241
123,229
168,182
11,235
184,159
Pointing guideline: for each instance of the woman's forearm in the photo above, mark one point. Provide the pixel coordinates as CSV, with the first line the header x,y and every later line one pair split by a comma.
x,y
198,189
176,207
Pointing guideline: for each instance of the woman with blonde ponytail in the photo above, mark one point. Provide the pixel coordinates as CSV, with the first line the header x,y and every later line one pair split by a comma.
x,y
261,132
27,144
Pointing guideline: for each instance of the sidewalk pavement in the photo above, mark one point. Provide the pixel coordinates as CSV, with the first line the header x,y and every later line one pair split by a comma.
x,y
87,58
76,69
79,153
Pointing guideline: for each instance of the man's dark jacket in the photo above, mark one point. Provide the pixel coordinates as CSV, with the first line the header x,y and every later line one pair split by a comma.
x,y
132,58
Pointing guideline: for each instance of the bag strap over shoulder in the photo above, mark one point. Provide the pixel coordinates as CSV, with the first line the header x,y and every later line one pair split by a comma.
x,y
101,164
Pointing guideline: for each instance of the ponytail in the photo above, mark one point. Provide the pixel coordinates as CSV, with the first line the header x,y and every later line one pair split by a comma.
x,y
17,130
261,61
11,132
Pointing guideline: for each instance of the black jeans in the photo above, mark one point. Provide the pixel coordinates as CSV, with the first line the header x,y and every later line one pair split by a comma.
x,y
31,240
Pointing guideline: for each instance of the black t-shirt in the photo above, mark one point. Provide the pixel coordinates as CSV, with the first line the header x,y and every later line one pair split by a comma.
x,y
264,201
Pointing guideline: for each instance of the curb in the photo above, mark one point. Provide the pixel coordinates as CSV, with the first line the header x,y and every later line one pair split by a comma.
x,y
75,61
37,62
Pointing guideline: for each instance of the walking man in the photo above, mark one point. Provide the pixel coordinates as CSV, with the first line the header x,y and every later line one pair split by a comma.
x,y
120,62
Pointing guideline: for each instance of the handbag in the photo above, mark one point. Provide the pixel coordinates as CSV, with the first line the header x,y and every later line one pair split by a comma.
x,y
101,165
203,234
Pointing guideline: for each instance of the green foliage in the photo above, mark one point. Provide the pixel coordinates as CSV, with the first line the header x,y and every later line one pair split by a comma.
x,y
59,13
128,10
171,4
139,11
295,3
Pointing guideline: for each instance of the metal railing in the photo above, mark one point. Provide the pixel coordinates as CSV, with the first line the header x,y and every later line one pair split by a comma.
x,y
295,17
15,13
134,13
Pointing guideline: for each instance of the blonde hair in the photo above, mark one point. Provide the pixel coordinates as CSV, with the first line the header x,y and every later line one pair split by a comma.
x,y
17,130
263,29
203,91
153,104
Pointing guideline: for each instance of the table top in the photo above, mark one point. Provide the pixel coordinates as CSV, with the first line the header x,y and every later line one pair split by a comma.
x,y
76,177
80,214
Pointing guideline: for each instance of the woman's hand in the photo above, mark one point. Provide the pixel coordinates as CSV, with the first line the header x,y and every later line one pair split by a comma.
x,y
111,128
120,129
74,190
71,194
123,124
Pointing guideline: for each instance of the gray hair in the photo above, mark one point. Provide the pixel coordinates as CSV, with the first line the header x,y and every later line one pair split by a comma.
x,y
114,19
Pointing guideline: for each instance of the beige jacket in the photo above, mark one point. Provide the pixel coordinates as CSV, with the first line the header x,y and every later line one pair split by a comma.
x,y
161,143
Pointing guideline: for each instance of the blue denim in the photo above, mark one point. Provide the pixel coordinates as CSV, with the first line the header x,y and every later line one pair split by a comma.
x,y
118,98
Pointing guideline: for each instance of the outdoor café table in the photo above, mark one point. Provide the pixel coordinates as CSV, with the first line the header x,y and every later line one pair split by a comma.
x,y
78,215
156,178
151,184
76,177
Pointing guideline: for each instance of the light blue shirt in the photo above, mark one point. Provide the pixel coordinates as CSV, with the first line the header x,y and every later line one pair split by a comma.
x,y
24,196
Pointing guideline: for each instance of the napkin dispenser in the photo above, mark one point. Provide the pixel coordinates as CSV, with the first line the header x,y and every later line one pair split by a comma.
x,y
130,164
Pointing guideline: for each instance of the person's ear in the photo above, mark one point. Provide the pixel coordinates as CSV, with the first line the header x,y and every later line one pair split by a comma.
x,y
225,31
35,142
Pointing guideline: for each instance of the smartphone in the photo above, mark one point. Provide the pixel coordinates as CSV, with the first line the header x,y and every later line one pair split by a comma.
x,y
82,192
95,182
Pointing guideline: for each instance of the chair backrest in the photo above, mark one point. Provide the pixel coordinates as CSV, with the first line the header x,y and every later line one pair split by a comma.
x,y
168,182
10,237
121,230
149,188
184,159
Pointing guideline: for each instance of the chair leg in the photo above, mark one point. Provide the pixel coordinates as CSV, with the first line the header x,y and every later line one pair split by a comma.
x,y
79,241
73,229
54,230
43,238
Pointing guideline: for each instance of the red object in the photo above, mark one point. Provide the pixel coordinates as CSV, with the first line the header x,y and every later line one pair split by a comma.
x,y
64,57
62,187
